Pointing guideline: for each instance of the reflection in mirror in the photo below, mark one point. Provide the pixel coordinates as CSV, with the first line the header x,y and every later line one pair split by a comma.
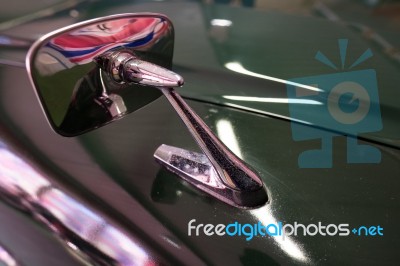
x,y
75,94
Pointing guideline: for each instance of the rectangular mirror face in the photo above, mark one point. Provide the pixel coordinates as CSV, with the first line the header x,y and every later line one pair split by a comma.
x,y
76,95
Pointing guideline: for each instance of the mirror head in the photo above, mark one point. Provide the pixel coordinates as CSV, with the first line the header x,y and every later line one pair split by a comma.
x,y
76,94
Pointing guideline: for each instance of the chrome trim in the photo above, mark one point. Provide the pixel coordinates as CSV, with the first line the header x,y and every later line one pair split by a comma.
x,y
6,258
87,233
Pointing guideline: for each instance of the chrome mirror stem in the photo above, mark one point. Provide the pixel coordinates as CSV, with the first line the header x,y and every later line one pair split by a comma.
x,y
235,183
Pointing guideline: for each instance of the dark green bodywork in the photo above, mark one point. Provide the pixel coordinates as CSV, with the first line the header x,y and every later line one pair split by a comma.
x,y
113,169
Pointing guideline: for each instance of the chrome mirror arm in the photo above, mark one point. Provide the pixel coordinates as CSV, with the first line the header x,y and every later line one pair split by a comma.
x,y
241,186
234,182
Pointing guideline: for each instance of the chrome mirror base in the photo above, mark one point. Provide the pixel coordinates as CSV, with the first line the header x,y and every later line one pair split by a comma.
x,y
196,169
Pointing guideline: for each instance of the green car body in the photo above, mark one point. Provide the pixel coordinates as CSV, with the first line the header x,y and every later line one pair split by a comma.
x,y
236,79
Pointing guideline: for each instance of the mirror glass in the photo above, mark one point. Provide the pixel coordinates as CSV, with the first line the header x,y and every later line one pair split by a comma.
x,y
76,95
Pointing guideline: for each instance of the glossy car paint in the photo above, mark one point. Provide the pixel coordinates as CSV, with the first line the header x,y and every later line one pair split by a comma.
x,y
113,168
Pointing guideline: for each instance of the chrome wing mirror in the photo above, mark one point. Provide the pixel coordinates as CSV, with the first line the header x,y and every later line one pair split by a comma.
x,y
95,72
76,95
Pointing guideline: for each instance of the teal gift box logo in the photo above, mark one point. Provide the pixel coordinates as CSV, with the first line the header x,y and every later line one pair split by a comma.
x,y
337,104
